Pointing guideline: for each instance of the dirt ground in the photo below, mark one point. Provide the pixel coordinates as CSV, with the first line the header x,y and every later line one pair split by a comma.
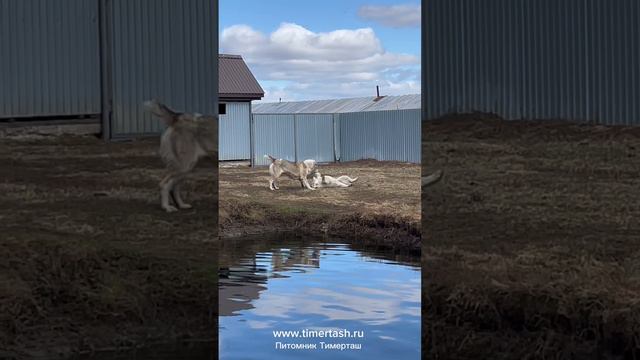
x,y
531,241
90,261
381,209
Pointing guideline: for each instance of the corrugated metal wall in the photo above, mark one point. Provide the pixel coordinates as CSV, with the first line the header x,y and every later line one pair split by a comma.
x,y
544,59
49,58
314,137
294,137
336,136
161,49
273,135
381,135
234,132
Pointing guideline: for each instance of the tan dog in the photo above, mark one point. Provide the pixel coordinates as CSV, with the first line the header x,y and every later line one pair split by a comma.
x,y
432,179
187,138
298,171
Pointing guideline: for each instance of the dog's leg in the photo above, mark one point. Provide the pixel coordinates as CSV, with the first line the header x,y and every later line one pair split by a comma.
x,y
275,174
165,188
346,179
271,176
304,179
175,194
273,184
306,184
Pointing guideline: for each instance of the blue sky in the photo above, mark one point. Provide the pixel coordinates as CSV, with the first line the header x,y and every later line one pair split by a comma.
x,y
302,50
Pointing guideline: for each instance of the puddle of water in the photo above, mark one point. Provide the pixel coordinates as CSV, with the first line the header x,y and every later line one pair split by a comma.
x,y
305,286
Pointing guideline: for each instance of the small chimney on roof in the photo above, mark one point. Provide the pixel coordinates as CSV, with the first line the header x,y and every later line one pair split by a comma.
x,y
378,97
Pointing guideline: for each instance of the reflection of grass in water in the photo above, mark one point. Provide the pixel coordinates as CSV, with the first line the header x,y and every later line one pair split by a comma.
x,y
385,300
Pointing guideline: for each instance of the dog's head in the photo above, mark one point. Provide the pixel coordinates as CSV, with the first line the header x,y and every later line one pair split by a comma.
x,y
310,164
317,179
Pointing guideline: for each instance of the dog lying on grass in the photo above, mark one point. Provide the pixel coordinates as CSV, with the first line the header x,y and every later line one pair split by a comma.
x,y
187,138
297,171
320,180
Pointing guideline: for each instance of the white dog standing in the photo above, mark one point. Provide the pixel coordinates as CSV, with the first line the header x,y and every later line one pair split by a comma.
x,y
297,171
320,180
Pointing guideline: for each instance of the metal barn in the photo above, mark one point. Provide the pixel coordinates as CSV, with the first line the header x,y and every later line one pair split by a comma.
x,y
98,60
237,88
382,128
522,59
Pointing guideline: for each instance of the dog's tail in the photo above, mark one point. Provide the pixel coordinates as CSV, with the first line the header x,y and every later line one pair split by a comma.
x,y
353,180
162,111
432,179
270,157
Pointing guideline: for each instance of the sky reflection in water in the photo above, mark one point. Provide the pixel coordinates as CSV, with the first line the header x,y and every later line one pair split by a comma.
x,y
317,286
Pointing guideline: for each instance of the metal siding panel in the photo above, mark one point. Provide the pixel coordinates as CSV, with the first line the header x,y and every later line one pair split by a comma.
x,y
234,132
5,61
545,59
336,137
314,137
273,135
49,64
633,56
382,135
155,55
604,63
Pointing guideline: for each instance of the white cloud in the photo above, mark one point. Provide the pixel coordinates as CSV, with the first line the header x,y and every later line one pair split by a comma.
x,y
294,63
396,16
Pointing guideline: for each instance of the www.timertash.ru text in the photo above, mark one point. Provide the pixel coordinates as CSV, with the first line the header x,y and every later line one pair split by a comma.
x,y
321,345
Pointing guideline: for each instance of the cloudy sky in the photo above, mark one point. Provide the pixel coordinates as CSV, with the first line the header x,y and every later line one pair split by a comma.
x,y
306,50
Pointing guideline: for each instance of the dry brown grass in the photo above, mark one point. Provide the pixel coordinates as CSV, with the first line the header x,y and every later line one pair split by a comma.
x,y
91,261
389,188
530,242
381,209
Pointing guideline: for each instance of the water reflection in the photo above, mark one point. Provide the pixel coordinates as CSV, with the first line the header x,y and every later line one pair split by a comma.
x,y
297,284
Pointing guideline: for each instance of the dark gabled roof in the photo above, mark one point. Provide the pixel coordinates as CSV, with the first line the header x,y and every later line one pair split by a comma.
x,y
236,80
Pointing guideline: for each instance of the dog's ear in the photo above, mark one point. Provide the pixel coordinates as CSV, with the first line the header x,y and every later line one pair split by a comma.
x,y
157,108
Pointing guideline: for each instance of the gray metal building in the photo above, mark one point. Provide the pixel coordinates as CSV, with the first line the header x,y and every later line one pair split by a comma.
x,y
382,128
100,59
237,88
524,59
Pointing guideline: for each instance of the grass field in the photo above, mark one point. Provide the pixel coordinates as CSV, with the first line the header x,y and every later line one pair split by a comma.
x,y
531,241
382,208
90,260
